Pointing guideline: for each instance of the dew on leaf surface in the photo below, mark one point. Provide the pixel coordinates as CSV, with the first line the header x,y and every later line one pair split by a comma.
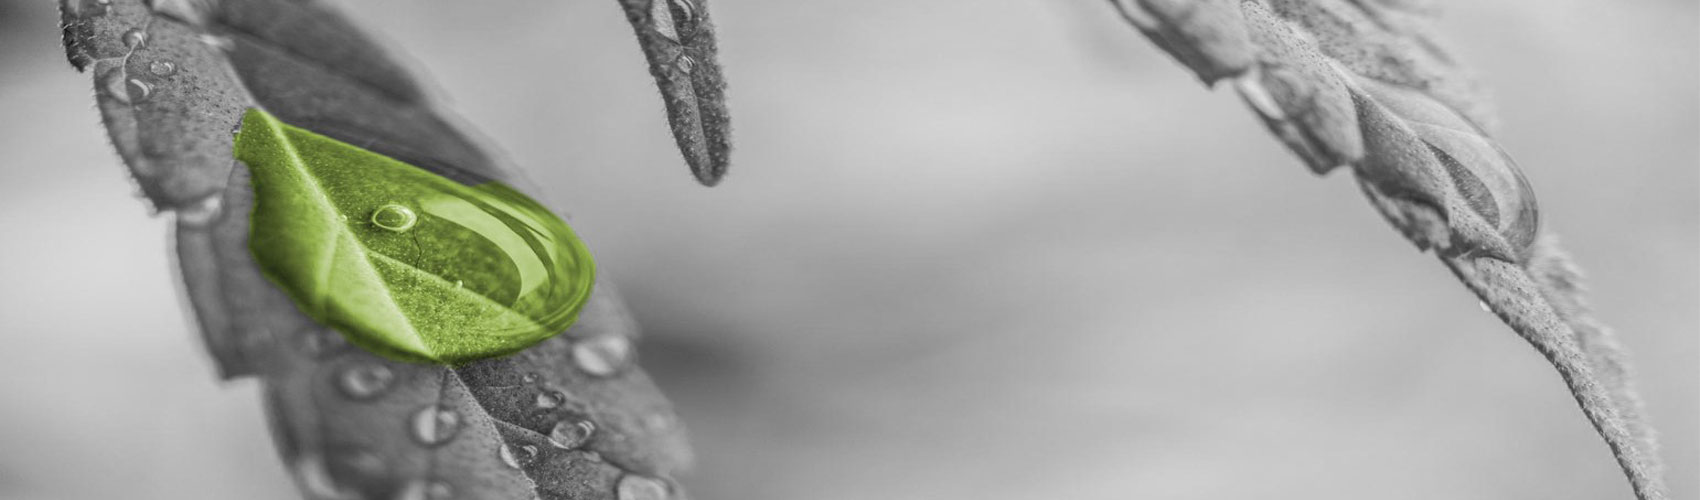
x,y
571,433
602,355
434,425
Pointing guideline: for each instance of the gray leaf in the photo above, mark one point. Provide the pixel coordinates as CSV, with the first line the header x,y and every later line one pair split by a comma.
x,y
1366,84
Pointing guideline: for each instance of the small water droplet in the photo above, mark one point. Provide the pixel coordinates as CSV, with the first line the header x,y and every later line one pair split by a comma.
x,y
571,433
686,64
365,381
310,471
1484,306
517,456
316,341
202,212
635,487
135,38
138,90
602,355
422,489
434,425
460,284
162,68
550,399
394,217
218,42
529,377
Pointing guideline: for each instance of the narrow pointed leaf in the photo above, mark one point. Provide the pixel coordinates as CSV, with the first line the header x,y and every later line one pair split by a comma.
x,y
1365,84
173,81
677,38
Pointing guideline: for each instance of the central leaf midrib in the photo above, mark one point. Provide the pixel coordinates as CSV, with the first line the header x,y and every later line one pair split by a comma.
x,y
318,192
458,290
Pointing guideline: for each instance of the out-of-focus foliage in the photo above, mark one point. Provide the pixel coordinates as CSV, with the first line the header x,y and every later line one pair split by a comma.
x,y
1366,84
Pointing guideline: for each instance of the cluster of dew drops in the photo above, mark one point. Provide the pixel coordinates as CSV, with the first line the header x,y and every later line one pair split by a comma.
x,y
127,88
435,425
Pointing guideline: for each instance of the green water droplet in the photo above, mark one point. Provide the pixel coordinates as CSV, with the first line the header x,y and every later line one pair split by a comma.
x,y
426,269
394,217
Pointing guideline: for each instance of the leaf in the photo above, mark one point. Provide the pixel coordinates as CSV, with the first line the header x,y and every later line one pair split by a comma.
x,y
677,38
1366,84
570,417
408,264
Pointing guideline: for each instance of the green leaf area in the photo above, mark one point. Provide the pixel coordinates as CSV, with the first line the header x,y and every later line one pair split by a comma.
x,y
404,262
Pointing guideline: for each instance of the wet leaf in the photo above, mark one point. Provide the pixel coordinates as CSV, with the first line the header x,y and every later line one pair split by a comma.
x,y
173,79
1366,84
407,263
677,38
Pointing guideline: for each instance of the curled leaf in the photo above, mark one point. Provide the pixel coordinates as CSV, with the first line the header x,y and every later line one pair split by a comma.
x,y
1365,84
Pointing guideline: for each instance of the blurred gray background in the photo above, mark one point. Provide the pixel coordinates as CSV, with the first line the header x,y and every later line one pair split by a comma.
x,y
970,249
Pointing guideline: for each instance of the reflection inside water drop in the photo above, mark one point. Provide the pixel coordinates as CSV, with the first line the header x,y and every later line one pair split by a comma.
x,y
571,433
365,380
636,487
517,456
602,355
434,425
162,68
394,217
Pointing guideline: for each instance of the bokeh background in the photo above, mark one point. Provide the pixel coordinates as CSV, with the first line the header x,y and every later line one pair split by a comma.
x,y
970,249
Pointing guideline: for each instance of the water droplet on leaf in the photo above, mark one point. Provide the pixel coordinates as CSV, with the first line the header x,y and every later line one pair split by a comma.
x,y
315,479
162,68
422,489
316,341
517,456
602,355
135,38
200,212
571,433
550,399
685,64
394,217
529,377
364,381
137,90
218,41
635,487
434,425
